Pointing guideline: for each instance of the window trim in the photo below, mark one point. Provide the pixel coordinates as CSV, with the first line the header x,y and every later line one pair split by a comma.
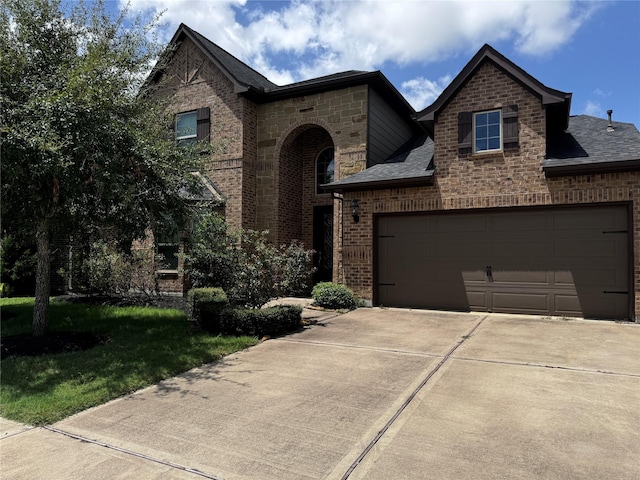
x,y
318,189
501,136
191,137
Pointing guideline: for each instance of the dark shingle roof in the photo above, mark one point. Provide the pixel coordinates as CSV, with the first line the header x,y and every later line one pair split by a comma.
x,y
587,146
411,165
260,89
241,72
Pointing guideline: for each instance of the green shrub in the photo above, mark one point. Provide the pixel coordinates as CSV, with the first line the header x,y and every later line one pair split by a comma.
x,y
206,306
295,270
333,295
211,253
106,269
250,269
272,321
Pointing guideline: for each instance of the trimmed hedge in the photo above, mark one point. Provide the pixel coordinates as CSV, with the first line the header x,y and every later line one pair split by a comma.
x,y
272,321
334,296
206,306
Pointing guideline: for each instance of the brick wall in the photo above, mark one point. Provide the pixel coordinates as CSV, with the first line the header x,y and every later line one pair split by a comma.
x,y
494,180
194,82
296,130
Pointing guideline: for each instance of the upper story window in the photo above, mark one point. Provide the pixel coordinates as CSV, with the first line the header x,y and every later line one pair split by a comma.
x,y
192,126
325,166
186,128
487,131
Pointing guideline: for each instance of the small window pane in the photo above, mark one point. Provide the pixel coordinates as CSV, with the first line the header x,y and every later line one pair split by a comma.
x,y
494,130
328,176
481,119
481,145
325,167
494,117
494,144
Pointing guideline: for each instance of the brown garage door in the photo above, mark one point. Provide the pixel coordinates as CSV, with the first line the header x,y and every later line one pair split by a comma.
x,y
561,261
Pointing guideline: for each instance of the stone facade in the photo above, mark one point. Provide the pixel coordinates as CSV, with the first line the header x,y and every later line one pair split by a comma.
x,y
300,128
484,181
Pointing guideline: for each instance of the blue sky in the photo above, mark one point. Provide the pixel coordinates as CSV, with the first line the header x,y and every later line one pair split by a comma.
x,y
589,48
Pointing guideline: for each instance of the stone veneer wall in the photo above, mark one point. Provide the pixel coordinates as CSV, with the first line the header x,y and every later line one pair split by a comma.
x,y
342,114
498,180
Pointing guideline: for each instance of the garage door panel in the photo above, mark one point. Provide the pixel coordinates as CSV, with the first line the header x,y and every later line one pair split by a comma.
x,y
459,223
587,248
521,248
589,219
520,302
567,304
477,300
524,277
474,276
518,222
447,247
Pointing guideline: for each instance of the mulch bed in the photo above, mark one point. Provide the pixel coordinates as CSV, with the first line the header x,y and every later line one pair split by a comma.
x,y
52,343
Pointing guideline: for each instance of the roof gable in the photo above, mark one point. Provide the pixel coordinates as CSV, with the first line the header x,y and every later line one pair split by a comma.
x,y
251,83
243,77
560,101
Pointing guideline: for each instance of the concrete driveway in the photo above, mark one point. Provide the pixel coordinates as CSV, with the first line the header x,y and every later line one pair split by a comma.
x,y
373,394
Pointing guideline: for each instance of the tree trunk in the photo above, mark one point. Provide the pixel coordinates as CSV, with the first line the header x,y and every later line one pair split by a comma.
x,y
43,280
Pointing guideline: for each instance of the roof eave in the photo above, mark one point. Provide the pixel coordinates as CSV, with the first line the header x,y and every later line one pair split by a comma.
x,y
422,181
591,168
376,79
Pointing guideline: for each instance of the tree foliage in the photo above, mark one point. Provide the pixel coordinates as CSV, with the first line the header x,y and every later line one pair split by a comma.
x,y
82,144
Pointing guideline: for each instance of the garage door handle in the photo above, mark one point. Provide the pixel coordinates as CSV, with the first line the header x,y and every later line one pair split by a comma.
x,y
489,272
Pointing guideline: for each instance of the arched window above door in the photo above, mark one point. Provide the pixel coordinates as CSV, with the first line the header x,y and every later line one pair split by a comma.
x,y
325,166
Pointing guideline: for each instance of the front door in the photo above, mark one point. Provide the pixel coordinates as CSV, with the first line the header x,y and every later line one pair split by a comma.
x,y
323,243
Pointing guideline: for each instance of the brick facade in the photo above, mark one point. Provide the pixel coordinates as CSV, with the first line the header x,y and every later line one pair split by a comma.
x,y
482,181
291,134
195,82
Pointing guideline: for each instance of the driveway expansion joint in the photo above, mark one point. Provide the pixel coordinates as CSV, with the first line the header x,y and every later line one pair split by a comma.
x,y
9,435
360,347
132,453
543,365
409,399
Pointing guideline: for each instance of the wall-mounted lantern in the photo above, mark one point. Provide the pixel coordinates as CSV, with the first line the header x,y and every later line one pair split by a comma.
x,y
355,210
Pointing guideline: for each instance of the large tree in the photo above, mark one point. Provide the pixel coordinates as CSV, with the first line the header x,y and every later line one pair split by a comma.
x,y
83,141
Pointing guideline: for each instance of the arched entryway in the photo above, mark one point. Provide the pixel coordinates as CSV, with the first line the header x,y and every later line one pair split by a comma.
x,y
305,210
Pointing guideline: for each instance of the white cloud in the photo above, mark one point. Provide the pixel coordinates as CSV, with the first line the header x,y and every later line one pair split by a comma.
x,y
323,37
421,92
593,108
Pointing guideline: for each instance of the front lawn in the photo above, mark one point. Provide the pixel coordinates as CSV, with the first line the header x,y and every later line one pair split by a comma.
x,y
142,346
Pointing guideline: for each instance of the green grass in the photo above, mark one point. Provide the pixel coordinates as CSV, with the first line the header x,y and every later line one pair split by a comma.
x,y
147,345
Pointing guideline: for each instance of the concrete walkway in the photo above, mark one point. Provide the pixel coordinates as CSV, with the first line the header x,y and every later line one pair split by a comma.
x,y
372,394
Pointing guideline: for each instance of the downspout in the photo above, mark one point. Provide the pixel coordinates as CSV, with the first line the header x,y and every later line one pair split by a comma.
x,y
341,274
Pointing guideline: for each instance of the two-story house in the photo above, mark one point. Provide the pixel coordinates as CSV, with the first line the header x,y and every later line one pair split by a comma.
x,y
493,198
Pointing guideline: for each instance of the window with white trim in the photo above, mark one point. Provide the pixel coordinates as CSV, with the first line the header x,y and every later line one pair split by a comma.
x,y
186,128
487,131
325,169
